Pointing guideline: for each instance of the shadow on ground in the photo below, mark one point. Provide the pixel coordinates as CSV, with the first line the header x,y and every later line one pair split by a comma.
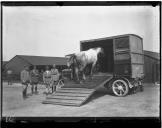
x,y
98,94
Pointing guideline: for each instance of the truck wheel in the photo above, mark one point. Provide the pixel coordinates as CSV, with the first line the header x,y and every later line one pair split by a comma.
x,y
120,87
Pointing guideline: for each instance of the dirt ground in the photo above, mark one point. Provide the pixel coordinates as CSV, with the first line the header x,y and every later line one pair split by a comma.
x,y
100,104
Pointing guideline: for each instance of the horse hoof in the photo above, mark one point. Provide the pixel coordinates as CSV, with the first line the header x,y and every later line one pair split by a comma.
x,y
25,97
81,82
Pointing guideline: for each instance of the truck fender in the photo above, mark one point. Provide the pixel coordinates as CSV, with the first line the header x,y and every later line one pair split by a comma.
x,y
129,84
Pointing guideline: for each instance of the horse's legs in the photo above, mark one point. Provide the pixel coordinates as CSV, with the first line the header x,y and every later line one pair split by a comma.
x,y
93,65
83,70
76,73
84,78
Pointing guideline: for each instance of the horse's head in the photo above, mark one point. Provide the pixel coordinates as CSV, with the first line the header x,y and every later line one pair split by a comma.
x,y
70,61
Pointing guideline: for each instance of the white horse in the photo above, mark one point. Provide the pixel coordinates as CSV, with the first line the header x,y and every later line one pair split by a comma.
x,y
82,59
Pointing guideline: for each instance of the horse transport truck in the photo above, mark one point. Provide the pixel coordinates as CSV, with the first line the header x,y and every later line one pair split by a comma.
x,y
121,70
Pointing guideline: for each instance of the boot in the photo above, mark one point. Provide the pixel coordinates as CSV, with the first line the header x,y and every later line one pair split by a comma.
x,y
36,92
24,94
32,89
54,89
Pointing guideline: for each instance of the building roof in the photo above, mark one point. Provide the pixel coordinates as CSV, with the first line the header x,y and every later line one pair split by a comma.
x,y
43,60
153,55
111,37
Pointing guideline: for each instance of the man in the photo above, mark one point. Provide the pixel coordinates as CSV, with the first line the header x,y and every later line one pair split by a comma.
x,y
41,76
25,79
47,79
34,79
54,77
9,76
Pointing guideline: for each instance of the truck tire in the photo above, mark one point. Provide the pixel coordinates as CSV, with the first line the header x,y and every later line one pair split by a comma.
x,y
119,87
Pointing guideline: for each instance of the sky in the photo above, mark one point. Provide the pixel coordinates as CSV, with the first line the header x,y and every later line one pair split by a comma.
x,y
57,31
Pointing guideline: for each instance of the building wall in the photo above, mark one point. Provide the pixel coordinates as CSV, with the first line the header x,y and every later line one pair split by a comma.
x,y
150,69
16,65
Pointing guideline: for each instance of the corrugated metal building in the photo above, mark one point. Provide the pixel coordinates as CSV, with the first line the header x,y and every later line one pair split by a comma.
x,y
16,64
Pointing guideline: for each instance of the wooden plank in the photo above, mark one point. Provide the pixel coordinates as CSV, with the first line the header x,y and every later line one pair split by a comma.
x,y
86,89
64,101
66,97
63,104
70,94
75,91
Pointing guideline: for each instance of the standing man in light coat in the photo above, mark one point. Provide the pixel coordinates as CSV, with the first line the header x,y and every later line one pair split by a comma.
x,y
54,77
47,79
25,80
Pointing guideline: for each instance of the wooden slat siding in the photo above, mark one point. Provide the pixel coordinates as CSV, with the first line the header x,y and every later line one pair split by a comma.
x,y
66,97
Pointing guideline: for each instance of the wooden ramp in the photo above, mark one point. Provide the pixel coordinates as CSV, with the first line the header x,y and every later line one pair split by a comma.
x,y
73,94
69,96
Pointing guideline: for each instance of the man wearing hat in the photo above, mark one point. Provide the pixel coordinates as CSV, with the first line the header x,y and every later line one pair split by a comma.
x,y
25,80
54,77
